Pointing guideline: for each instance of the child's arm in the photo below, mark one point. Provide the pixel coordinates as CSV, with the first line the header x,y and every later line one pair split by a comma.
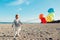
x,y
12,23
20,22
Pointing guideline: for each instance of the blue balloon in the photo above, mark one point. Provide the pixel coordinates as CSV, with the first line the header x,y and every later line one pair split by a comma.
x,y
50,10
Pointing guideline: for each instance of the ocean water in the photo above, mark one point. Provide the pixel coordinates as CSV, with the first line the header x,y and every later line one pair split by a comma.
x,y
5,22
12,22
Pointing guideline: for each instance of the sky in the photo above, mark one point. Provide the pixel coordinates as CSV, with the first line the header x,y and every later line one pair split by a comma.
x,y
28,10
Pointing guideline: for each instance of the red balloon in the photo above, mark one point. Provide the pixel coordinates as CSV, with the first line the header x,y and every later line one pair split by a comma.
x,y
42,18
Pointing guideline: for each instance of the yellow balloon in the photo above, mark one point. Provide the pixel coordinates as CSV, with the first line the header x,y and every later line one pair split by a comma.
x,y
49,18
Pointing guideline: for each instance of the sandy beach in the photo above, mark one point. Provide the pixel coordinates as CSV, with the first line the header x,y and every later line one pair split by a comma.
x,y
31,32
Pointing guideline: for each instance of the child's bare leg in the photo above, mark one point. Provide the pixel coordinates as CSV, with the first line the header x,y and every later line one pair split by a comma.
x,y
19,29
15,35
15,32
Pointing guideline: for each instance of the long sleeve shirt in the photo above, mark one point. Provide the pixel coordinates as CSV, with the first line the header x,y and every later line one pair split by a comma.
x,y
17,23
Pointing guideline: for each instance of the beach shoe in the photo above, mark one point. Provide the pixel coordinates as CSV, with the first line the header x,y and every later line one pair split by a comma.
x,y
14,39
16,35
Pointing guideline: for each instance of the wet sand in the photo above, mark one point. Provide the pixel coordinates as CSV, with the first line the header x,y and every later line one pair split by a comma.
x,y
48,31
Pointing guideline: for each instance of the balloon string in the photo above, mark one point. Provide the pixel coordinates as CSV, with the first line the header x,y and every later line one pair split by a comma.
x,y
31,20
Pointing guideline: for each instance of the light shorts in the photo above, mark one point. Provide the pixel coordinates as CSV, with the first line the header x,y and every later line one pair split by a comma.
x,y
17,30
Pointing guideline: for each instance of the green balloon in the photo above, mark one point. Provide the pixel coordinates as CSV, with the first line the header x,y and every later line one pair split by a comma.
x,y
51,14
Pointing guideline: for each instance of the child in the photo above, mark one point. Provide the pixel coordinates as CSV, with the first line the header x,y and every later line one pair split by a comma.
x,y
16,26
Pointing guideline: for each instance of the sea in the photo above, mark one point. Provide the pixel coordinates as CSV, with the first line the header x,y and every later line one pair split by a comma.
x,y
5,22
12,22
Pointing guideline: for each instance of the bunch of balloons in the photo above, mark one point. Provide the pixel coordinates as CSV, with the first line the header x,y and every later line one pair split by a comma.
x,y
49,17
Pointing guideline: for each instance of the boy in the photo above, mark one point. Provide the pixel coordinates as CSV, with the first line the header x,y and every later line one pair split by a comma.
x,y
16,26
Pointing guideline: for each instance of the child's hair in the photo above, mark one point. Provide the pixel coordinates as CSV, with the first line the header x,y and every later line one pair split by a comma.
x,y
16,15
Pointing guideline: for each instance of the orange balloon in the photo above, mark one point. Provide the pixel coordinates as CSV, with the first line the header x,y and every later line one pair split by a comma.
x,y
41,16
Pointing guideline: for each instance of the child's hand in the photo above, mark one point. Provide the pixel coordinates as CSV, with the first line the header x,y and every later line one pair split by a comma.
x,y
12,25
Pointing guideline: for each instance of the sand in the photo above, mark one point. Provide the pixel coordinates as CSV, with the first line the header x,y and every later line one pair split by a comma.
x,y
31,32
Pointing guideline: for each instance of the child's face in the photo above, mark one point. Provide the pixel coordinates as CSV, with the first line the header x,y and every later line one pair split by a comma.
x,y
17,17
